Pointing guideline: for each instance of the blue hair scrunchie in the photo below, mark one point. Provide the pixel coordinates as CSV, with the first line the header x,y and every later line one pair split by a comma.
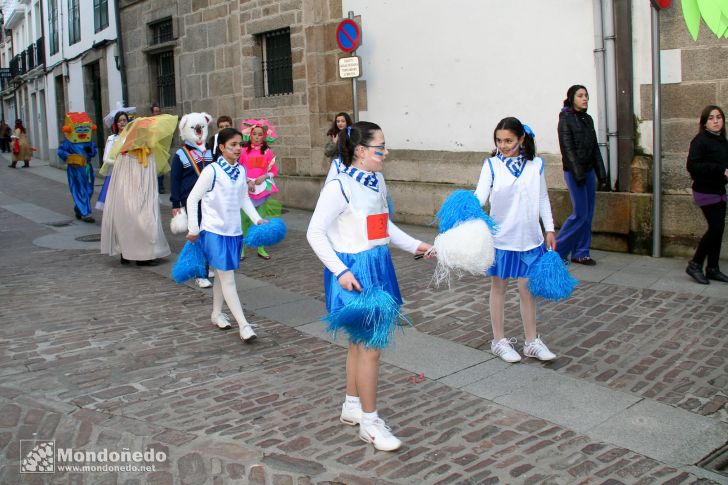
x,y
527,130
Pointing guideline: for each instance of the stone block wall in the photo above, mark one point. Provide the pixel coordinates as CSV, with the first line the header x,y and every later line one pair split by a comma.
x,y
704,74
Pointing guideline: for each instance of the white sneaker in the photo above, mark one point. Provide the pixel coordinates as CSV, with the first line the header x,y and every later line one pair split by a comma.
x,y
203,282
221,321
210,274
504,349
538,350
379,434
350,414
246,333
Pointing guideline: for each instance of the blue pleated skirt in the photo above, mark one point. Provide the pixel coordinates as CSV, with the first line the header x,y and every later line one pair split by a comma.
x,y
372,269
514,264
221,252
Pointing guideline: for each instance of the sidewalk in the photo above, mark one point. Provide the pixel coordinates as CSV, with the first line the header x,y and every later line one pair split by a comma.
x,y
637,394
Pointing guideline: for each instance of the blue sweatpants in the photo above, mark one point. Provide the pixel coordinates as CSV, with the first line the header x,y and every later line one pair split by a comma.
x,y
81,183
575,235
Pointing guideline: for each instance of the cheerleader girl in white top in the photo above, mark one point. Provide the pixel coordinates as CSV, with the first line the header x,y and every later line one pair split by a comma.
x,y
223,190
513,179
349,231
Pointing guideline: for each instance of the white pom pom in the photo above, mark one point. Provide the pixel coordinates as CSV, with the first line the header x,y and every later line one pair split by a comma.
x,y
466,248
178,224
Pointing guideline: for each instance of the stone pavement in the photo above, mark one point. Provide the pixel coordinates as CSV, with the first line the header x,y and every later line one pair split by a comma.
x,y
93,359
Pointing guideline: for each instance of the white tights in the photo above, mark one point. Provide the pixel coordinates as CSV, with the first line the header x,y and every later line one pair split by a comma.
x,y
224,288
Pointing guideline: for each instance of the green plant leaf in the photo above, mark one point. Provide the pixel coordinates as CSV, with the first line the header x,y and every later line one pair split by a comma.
x,y
712,13
691,14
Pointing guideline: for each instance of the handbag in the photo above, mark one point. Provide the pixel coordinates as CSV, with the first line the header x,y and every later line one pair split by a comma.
x,y
178,224
16,146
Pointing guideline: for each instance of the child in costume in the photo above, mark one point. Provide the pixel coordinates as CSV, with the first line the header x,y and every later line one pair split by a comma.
x,y
77,150
223,191
188,163
513,179
260,165
132,224
118,123
349,231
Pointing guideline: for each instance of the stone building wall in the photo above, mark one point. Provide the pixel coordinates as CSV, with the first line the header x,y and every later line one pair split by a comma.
x,y
218,60
704,81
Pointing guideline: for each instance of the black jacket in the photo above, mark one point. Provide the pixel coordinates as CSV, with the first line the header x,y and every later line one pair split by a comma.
x,y
579,147
707,162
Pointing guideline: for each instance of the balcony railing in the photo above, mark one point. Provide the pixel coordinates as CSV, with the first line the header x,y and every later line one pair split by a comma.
x,y
28,59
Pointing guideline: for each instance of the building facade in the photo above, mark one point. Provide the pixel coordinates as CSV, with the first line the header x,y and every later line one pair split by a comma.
x,y
436,79
83,64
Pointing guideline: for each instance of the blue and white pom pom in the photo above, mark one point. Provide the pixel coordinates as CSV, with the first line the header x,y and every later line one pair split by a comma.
x,y
465,242
550,279
461,206
370,318
266,234
190,263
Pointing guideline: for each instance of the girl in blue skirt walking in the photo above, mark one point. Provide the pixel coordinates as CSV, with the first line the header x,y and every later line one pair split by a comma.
x,y
223,190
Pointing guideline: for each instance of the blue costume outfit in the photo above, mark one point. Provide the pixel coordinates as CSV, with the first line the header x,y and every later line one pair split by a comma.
x,y
187,164
80,173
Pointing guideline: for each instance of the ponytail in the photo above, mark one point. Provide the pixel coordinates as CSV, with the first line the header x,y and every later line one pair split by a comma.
x,y
360,133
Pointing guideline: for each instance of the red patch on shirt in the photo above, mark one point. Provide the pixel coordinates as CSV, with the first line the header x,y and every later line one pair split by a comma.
x,y
377,226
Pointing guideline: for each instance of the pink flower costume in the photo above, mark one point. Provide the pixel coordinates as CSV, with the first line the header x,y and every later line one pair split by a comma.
x,y
260,163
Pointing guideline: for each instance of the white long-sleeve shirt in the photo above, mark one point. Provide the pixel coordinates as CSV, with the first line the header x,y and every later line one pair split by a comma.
x,y
221,204
516,203
107,148
331,205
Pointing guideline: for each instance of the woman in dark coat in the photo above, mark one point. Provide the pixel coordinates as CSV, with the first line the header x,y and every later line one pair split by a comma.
x,y
583,165
708,167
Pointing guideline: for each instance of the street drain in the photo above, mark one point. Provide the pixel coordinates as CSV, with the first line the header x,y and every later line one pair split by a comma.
x,y
59,223
89,238
717,461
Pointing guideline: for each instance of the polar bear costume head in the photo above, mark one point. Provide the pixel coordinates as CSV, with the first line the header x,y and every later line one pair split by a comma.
x,y
193,128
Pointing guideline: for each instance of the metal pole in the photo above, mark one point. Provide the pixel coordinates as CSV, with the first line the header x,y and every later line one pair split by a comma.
x,y
656,138
354,94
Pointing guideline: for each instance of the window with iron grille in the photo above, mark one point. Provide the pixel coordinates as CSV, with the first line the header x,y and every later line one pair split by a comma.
x,y
165,79
162,31
101,14
277,62
53,26
74,22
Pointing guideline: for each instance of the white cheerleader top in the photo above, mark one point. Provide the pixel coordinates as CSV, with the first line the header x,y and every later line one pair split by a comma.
x,y
222,198
352,218
516,201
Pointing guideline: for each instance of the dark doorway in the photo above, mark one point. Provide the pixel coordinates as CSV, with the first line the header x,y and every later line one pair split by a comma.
x,y
94,104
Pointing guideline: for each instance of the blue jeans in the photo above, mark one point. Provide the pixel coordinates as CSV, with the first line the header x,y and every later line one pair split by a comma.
x,y
575,235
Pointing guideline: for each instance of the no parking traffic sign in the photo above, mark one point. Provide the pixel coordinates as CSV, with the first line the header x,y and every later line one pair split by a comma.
x,y
348,35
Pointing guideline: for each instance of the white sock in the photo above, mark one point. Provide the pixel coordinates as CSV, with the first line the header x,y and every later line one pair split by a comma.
x,y
352,401
369,417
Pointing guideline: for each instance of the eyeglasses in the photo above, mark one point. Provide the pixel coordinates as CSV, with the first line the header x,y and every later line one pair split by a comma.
x,y
381,147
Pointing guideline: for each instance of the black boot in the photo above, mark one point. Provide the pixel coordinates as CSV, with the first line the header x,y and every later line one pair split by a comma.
x,y
696,272
715,274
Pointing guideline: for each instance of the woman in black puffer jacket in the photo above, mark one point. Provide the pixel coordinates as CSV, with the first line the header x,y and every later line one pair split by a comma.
x,y
708,167
583,164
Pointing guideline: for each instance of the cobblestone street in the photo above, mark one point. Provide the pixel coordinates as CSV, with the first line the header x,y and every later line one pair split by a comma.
x,y
96,355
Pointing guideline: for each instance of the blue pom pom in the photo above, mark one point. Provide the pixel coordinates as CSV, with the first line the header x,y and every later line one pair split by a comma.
x,y
190,263
461,206
266,234
370,318
550,279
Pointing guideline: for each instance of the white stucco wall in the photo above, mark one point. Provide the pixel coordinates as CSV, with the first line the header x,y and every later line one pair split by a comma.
x,y
441,75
